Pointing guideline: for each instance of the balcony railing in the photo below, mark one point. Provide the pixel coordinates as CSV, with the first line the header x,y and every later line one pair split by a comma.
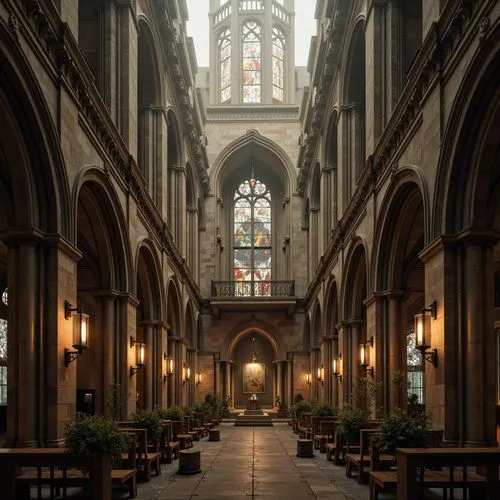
x,y
253,288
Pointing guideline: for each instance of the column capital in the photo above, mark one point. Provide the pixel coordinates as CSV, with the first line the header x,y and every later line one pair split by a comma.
x,y
130,298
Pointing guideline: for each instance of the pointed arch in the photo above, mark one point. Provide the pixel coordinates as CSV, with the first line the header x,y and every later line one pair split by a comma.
x,y
174,308
355,280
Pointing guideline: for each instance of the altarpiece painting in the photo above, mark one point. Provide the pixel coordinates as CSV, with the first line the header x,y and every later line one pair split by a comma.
x,y
254,378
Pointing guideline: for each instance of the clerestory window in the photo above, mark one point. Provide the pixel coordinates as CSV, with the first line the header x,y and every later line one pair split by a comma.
x,y
251,61
225,66
278,64
252,238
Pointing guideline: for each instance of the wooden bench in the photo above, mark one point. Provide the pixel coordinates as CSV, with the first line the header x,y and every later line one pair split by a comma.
x,y
410,487
387,480
325,435
71,478
12,460
362,459
144,460
337,450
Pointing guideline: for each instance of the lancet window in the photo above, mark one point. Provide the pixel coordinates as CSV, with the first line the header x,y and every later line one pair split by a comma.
x,y
278,64
225,66
251,52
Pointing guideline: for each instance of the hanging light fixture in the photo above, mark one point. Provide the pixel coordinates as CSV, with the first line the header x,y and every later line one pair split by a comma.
x,y
80,332
308,378
423,330
140,355
321,374
337,366
364,356
254,354
252,181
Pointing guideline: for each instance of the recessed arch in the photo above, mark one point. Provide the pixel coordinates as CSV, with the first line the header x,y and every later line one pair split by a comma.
x,y
331,316
355,280
174,309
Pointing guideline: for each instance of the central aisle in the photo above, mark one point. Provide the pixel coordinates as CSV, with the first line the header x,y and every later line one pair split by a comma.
x,y
248,463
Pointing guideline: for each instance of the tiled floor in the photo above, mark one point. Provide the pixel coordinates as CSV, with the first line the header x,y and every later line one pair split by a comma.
x,y
254,463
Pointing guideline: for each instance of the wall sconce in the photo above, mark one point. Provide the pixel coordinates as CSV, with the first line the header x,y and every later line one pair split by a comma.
x,y
170,366
422,333
337,366
186,373
199,377
364,356
321,374
308,378
140,354
80,330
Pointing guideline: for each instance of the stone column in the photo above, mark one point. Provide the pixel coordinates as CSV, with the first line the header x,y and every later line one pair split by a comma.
x,y
289,383
227,386
479,354
217,379
108,329
162,386
355,328
171,381
279,380
343,349
149,363
395,345
24,345
335,379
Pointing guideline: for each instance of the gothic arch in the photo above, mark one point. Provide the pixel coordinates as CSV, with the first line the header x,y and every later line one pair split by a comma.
x,y
191,325
331,317
407,193
257,325
355,280
149,279
101,195
174,309
40,197
253,140
317,324
462,179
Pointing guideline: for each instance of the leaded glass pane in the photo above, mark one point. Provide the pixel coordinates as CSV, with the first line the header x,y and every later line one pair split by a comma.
x,y
242,234
3,339
260,188
244,189
242,274
278,64
242,214
415,372
243,257
262,234
251,62
263,258
3,385
225,66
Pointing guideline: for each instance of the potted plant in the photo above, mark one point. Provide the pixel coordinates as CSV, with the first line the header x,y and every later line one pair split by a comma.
x,y
172,413
150,420
323,409
95,434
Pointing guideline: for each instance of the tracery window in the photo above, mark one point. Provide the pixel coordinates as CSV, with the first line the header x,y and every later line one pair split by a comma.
x,y
252,238
3,349
278,64
252,36
415,369
225,66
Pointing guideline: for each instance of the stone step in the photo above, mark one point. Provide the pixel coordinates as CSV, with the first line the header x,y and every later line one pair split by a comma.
x,y
253,420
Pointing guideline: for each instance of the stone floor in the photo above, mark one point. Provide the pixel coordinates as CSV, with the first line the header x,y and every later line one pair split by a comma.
x,y
254,463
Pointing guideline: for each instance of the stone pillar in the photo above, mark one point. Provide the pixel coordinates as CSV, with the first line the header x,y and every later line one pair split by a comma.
x,y
343,349
171,382
355,328
479,354
127,40
162,387
227,385
289,383
395,345
149,363
108,329
24,349
217,379
314,239
68,10
110,57
279,380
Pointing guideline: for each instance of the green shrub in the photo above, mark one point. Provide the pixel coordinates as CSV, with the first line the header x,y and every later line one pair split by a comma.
x,y
351,421
93,434
298,397
401,430
323,409
172,413
301,406
150,420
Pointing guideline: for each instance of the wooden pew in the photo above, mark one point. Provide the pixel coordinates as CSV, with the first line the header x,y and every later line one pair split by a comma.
x,y
410,482
12,460
362,459
144,459
325,434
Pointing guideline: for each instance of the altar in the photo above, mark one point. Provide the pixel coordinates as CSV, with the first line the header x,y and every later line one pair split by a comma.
x,y
253,404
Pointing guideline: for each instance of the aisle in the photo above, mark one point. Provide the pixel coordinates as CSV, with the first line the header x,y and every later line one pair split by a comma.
x,y
248,463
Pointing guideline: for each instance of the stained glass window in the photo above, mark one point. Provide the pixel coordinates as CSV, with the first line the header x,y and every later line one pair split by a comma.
x,y
225,66
3,348
278,64
252,238
251,62
415,370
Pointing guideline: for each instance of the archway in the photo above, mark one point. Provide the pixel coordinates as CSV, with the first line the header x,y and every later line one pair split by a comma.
x,y
466,206
354,326
332,369
400,276
176,346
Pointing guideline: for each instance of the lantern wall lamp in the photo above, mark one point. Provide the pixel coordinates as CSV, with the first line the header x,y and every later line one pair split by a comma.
x,y
80,330
308,378
140,353
337,366
423,331
364,356
170,366
321,374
